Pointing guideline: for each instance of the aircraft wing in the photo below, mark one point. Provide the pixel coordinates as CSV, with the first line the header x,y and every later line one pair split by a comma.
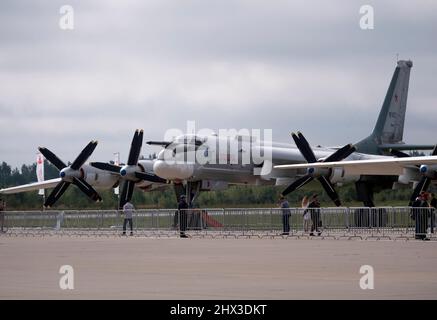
x,y
384,166
31,186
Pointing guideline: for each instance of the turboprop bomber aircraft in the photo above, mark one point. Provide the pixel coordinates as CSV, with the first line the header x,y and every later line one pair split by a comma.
x,y
193,163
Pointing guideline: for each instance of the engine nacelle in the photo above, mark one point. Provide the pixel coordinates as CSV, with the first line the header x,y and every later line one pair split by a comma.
x,y
67,174
100,179
318,172
128,172
338,175
409,175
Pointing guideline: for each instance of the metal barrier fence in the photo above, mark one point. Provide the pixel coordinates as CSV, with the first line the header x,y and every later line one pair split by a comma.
x,y
381,222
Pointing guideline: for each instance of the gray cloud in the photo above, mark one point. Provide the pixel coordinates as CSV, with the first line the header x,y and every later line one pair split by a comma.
x,y
225,64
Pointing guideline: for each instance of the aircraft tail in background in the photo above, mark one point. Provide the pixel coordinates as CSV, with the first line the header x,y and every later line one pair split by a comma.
x,y
389,129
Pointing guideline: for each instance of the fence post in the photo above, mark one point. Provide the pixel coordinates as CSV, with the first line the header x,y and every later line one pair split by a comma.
x,y
224,222
59,219
101,220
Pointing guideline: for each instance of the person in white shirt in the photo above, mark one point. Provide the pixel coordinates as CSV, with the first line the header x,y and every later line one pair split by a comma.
x,y
2,214
286,213
306,214
128,210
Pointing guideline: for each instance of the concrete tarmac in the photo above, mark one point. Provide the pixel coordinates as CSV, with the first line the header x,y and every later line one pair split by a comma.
x,y
148,268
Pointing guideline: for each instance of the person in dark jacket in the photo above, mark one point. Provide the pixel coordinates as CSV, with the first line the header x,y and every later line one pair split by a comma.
x,y
314,207
2,214
420,214
433,205
283,203
433,201
182,209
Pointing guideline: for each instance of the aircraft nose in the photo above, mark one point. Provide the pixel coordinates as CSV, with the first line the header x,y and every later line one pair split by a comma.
x,y
173,170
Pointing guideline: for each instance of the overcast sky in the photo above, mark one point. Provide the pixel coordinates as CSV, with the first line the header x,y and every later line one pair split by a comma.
x,y
281,65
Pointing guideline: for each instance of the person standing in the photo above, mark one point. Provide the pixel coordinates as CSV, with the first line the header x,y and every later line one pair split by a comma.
x,y
420,216
182,209
314,208
306,214
285,208
128,210
2,214
433,205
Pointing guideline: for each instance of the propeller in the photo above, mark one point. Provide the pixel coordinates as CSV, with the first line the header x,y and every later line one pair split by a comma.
x,y
424,182
323,177
70,174
132,172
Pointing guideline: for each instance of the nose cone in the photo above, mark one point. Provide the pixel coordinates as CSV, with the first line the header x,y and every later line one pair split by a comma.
x,y
123,171
423,168
173,170
62,174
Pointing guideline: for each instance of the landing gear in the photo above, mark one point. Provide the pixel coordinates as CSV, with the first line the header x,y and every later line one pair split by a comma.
x,y
191,190
368,216
365,193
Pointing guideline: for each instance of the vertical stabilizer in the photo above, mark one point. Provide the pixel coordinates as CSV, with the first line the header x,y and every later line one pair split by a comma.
x,y
390,125
389,128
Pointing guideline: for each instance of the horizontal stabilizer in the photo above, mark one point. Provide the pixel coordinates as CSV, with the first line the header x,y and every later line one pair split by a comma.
x,y
402,146
159,143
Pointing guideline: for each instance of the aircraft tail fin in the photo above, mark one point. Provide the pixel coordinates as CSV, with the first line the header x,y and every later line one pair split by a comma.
x,y
390,125
389,128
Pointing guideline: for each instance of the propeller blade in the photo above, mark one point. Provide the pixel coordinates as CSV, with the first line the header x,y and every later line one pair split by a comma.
x,y
126,192
52,158
304,147
297,184
106,166
149,177
87,189
341,153
57,192
84,155
329,188
421,186
135,148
